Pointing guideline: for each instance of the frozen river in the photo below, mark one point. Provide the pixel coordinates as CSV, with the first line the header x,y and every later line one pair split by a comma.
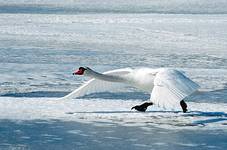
x,y
42,43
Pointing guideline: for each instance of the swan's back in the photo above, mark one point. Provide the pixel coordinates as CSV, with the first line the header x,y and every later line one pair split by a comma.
x,y
143,78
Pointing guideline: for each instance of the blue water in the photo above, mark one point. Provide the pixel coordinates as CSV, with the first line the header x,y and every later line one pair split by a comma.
x,y
42,43
115,6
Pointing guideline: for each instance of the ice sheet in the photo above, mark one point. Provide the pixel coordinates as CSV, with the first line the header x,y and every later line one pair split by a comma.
x,y
200,116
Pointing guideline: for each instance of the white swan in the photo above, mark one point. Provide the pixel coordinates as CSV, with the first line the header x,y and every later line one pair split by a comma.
x,y
168,87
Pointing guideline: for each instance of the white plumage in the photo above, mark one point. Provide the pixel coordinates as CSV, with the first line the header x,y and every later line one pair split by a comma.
x,y
166,86
170,87
96,85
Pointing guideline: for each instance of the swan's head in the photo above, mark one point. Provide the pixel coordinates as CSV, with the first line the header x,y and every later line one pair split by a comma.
x,y
80,71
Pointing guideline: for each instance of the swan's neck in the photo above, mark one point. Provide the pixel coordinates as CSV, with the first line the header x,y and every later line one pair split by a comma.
x,y
105,77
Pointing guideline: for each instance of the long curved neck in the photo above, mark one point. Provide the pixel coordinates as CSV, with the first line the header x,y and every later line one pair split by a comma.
x,y
105,77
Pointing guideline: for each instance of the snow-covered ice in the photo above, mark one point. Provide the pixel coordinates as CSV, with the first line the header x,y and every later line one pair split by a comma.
x,y
42,42
200,116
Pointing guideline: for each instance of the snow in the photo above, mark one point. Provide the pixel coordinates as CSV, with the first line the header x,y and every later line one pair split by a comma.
x,y
43,42
208,116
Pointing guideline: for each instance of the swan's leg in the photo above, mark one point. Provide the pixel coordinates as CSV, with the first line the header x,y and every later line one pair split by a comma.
x,y
183,106
142,107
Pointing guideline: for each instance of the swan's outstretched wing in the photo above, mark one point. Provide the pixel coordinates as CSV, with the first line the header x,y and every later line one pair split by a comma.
x,y
96,85
170,87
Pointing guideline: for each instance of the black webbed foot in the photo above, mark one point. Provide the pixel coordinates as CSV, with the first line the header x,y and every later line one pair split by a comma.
x,y
142,107
183,106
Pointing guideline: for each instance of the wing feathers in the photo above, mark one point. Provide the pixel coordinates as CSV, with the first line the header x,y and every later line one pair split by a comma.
x,y
96,85
170,87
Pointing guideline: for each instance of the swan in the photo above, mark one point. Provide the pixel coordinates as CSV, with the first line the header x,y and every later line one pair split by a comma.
x,y
167,87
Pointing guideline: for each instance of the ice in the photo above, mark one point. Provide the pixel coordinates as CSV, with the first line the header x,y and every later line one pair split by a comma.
x,y
43,42
39,51
207,116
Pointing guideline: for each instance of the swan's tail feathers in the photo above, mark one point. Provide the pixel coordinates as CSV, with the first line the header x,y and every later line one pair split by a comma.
x,y
96,85
170,88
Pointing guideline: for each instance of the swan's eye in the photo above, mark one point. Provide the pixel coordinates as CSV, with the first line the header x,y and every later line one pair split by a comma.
x,y
82,68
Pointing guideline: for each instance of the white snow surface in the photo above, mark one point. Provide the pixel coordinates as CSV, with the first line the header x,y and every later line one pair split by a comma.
x,y
200,115
43,41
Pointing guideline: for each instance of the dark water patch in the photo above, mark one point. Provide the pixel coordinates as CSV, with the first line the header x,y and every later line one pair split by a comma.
x,y
37,94
114,7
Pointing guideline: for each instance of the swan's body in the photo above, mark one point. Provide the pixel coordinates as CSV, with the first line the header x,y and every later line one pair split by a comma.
x,y
167,86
